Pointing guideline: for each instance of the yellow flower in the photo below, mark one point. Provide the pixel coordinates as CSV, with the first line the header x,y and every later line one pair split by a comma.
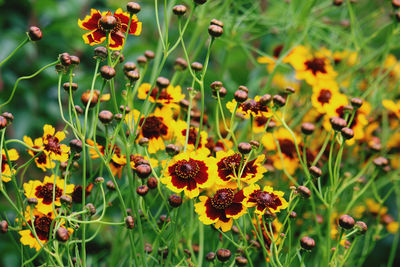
x,y
6,171
264,200
180,128
392,106
250,107
52,146
169,96
43,192
324,94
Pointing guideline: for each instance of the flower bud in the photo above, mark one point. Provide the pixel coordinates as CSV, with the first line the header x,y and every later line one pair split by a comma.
x,y
337,123
240,96
216,85
293,215
128,66
254,144
356,102
180,64
133,7
91,208
148,248
100,52
290,90
62,234
307,128
210,256
86,97
152,182
279,100
347,109
265,99
144,141
129,222
9,117
179,10
66,200
162,82
142,190
3,122
223,254
149,54
75,60
3,227
338,2
241,261
132,75
362,227
307,243
76,145
65,59
99,180
304,191
107,72
222,92
72,86
110,185
172,149
197,66
32,201
175,200
107,22
244,148
78,109
217,22
215,30
381,161
315,171
143,170
106,116
35,34
346,222
347,133
141,60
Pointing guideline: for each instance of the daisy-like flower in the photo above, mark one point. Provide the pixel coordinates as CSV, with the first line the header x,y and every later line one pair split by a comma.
x,y
43,192
222,208
52,146
117,162
250,107
98,34
168,96
311,67
324,95
287,146
392,106
271,61
6,170
266,200
157,127
180,128
228,164
188,172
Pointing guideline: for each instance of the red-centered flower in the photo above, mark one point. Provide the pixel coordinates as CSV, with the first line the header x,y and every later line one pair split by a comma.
x,y
266,200
228,164
222,208
98,33
189,172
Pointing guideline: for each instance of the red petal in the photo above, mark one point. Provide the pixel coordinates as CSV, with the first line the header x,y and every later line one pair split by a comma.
x,y
234,209
212,212
117,40
202,176
90,22
238,198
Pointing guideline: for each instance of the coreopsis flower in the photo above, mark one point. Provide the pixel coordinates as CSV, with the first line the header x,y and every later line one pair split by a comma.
x,y
324,95
189,172
180,128
157,127
222,208
51,144
271,61
168,96
6,170
311,67
43,192
118,160
266,200
392,106
228,164
250,107
98,34
287,146
346,56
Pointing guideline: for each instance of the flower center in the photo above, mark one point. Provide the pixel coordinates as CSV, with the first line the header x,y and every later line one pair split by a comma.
x,y
163,94
249,105
316,65
186,169
232,162
192,136
153,127
109,23
324,96
46,192
287,147
52,144
264,198
222,199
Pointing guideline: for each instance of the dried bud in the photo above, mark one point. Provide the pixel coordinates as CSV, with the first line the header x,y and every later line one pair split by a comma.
x,y
279,100
35,34
152,182
172,150
244,148
197,66
32,201
315,171
91,208
346,222
66,200
223,254
179,10
265,99
307,243
62,234
241,261
337,123
362,227
99,180
217,22
65,59
215,30
3,122
307,128
347,133
110,185
142,190
240,96
86,97
143,171
304,191
106,116
3,227
180,64
210,256
175,200
78,109
9,117
129,222
141,60
162,82
356,102
72,86
75,60
107,72
100,52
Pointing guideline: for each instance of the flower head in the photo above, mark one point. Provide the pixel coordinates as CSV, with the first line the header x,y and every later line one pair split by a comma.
x,y
266,200
100,23
167,96
6,170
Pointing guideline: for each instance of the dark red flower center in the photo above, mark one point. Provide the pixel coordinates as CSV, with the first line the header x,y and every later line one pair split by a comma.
x,y
260,120
153,127
110,19
288,148
3,163
277,51
187,169
324,96
163,95
46,192
264,198
316,65
42,227
232,163
52,144
254,106
192,136
222,199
